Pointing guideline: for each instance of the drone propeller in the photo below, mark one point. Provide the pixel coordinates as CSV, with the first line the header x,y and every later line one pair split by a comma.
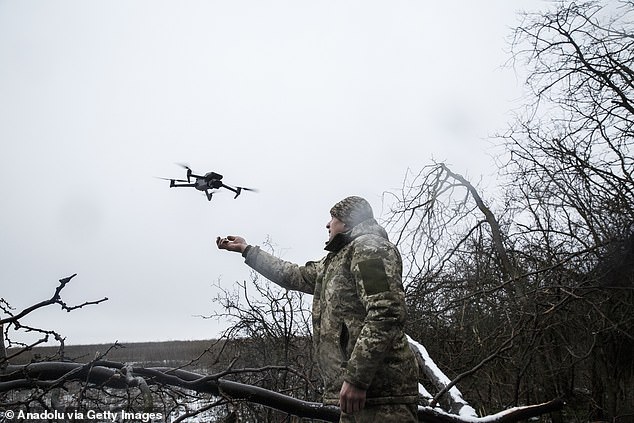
x,y
189,171
238,190
171,179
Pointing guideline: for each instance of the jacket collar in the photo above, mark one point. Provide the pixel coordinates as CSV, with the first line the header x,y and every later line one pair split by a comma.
x,y
338,242
369,226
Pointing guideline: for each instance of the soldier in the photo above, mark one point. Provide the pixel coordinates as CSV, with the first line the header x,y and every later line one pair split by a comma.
x,y
358,314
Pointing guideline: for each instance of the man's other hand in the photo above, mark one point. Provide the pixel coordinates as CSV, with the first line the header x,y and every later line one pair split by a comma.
x,y
351,398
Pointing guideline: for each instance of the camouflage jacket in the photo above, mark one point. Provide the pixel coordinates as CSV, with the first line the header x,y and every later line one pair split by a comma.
x,y
358,313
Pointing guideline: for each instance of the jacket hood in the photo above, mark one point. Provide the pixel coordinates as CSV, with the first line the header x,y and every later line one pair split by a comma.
x,y
367,227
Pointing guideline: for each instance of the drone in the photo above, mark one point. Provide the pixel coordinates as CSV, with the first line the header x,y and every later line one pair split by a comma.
x,y
208,182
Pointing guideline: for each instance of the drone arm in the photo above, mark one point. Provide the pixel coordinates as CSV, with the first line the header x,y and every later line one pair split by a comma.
x,y
237,190
175,185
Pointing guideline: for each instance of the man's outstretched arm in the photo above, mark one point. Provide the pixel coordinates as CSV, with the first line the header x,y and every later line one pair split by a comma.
x,y
284,273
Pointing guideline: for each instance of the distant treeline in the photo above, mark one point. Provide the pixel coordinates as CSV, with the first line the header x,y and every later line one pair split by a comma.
x,y
203,354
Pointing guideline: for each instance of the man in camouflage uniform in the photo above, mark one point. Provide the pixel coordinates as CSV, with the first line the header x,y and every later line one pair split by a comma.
x,y
358,314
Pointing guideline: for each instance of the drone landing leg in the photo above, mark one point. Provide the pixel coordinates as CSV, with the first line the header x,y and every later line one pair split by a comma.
x,y
237,190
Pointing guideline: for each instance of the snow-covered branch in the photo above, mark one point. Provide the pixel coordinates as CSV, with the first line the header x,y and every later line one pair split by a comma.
x,y
457,403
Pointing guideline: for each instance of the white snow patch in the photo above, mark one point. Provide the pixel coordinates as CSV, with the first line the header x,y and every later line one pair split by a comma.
x,y
466,411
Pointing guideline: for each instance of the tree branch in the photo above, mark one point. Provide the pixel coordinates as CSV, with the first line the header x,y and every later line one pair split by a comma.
x,y
55,299
119,376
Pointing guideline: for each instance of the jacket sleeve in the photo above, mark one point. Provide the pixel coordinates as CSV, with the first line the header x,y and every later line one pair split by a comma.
x,y
377,269
284,273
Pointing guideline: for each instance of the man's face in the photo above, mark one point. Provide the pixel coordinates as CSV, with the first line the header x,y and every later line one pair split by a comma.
x,y
335,226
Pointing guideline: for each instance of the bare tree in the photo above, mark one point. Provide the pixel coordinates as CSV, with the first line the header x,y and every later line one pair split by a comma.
x,y
271,329
540,273
571,157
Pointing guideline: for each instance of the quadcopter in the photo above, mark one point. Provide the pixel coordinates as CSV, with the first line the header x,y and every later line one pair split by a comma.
x,y
209,181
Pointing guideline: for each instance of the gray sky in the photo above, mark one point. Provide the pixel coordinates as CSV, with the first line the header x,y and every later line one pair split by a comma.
x,y
307,101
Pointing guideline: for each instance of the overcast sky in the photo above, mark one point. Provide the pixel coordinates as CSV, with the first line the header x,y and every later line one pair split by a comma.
x,y
308,101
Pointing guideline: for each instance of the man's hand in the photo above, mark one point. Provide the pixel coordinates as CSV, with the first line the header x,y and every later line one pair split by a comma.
x,y
351,398
232,243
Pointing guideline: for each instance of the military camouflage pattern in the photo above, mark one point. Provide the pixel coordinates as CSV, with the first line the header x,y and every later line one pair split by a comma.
x,y
401,413
358,313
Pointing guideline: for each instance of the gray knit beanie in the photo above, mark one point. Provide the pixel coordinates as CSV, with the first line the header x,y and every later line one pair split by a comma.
x,y
352,211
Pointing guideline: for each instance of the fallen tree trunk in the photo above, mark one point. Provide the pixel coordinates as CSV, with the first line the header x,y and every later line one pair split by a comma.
x,y
120,376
